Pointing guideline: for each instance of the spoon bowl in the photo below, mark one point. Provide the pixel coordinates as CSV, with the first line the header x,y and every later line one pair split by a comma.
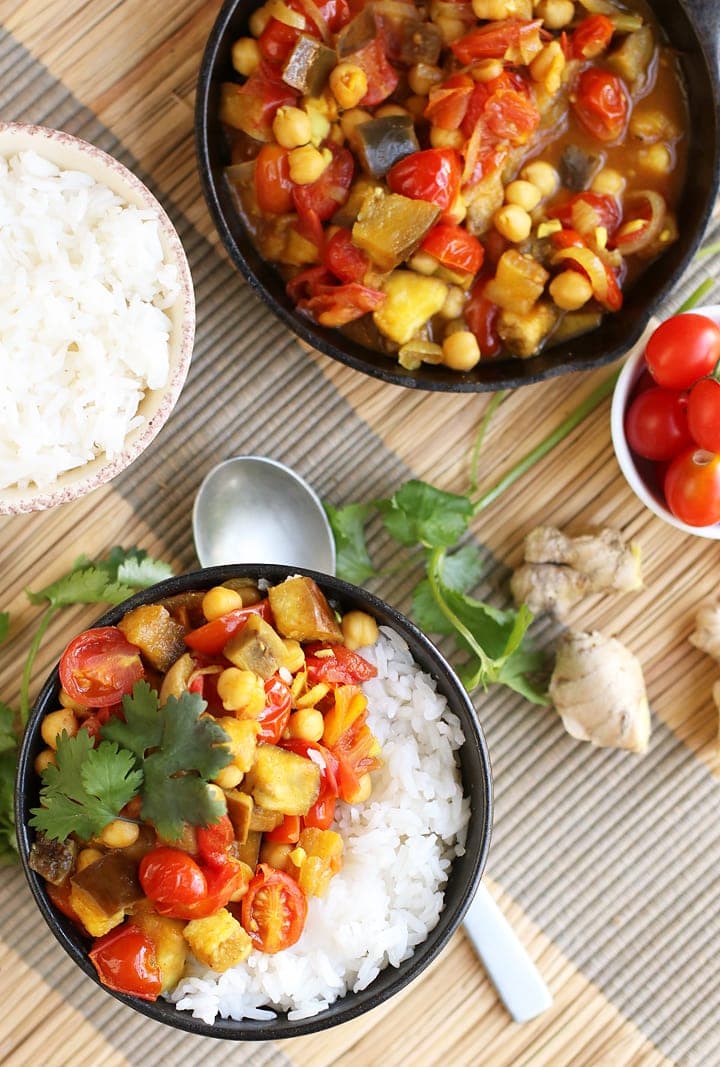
x,y
253,508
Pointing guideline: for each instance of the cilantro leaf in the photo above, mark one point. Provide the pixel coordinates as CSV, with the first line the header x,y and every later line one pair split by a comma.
x,y
142,728
88,585
169,803
8,840
86,789
348,527
190,742
143,572
419,512
4,625
8,736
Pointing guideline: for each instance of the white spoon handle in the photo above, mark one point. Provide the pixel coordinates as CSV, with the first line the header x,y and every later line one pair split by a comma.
x,y
510,969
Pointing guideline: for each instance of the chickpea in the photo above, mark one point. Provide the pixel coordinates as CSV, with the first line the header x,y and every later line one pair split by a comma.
x,y
457,210
555,13
216,793
291,127
307,164
423,263
307,724
608,181
450,29
422,76
86,857
461,351
54,724
440,138
487,70
658,159
513,222
276,853
570,290
241,690
350,119
229,777
543,175
259,20
454,303
359,629
44,759
220,600
66,701
246,56
120,833
523,193
415,105
348,84
390,109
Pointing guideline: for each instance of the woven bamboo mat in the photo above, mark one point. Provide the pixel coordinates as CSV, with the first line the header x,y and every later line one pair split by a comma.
x,y
606,865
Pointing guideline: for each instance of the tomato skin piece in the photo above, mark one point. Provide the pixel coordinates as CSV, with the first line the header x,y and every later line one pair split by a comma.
x,y
448,102
330,191
432,175
344,259
683,349
382,78
656,424
494,39
344,667
704,414
277,41
274,717
601,103
274,910
273,187
125,960
214,842
211,638
262,94
692,487
454,247
170,876
100,666
287,833
591,37
605,207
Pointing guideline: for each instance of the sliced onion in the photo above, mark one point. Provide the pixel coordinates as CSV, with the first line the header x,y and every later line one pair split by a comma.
x,y
600,7
240,173
642,238
280,11
315,15
591,264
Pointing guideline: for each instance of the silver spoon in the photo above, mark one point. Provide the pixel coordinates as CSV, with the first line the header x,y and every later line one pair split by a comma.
x,y
250,508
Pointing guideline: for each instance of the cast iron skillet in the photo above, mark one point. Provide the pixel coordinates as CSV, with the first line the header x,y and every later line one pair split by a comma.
x,y
693,28
464,875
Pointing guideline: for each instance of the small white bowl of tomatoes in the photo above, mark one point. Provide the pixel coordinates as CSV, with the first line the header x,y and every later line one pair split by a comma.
x,y
665,421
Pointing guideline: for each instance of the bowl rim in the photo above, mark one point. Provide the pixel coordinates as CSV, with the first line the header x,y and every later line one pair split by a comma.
x,y
343,1009
627,379
77,482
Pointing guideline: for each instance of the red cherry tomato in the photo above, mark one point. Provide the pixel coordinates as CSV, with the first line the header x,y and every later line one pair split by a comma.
x,y
211,638
274,910
353,751
481,316
261,96
341,667
683,349
126,961
692,487
277,40
605,212
704,414
287,833
454,247
100,666
656,424
432,175
591,37
273,187
214,842
330,191
601,103
169,876
274,717
494,39
344,259
448,102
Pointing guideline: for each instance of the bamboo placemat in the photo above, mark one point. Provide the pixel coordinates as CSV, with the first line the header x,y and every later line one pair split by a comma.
x,y
605,864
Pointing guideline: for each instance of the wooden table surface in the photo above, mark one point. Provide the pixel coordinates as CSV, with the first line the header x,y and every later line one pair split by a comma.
x,y
605,863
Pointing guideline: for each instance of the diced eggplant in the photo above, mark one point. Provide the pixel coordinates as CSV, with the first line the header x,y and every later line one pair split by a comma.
x,y
632,59
257,647
524,334
411,299
263,820
218,941
239,809
111,883
578,167
390,227
301,611
186,608
248,851
518,283
359,32
420,42
575,324
283,781
308,66
346,216
52,860
158,636
382,142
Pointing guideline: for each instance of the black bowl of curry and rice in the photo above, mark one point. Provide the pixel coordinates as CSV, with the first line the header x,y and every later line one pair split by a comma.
x,y
253,803
461,196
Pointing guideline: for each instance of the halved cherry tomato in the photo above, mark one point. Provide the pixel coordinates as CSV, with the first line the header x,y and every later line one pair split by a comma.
x,y
656,424
287,833
481,316
214,842
704,413
100,666
344,259
274,717
211,638
170,877
591,37
330,191
273,187
262,94
495,39
454,247
601,103
448,102
432,175
692,487
126,961
274,910
342,667
322,813
683,349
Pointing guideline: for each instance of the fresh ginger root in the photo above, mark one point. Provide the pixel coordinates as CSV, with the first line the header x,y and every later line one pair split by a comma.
x,y
598,689
706,637
560,570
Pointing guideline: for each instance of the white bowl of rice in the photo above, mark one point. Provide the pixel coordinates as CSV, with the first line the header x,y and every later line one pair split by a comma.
x,y
97,317
413,853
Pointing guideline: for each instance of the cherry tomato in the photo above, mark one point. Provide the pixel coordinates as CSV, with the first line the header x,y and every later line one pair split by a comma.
x,y
656,424
322,813
100,666
481,316
316,294
353,751
344,259
432,175
601,103
343,667
274,910
330,191
448,102
606,211
591,37
169,876
493,40
692,487
511,114
277,40
261,96
704,414
273,187
211,638
683,349
224,884
126,961
274,717
454,247
287,833
214,842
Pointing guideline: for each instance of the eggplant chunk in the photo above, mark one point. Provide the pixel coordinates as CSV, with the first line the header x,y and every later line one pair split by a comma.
x,y
309,65
302,612
283,781
382,142
390,227
239,809
158,636
52,860
257,647
218,941
110,884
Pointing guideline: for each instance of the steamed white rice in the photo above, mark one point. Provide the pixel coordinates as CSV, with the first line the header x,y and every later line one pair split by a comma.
x,y
399,846
83,331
